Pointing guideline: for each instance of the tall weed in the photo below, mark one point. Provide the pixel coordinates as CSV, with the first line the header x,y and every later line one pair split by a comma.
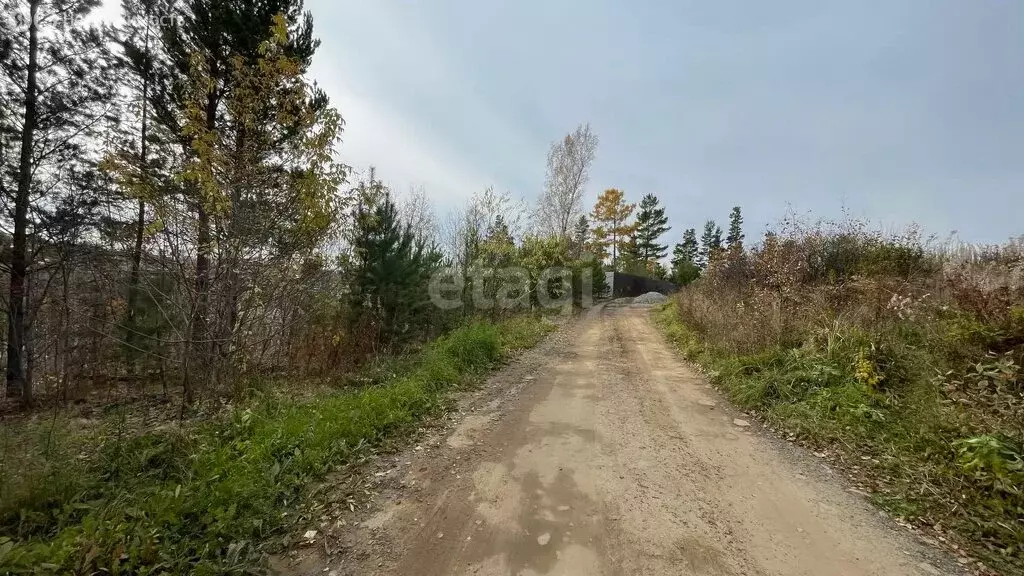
x,y
882,350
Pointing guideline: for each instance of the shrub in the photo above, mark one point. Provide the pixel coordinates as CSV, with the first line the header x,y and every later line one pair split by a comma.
x,y
882,350
993,461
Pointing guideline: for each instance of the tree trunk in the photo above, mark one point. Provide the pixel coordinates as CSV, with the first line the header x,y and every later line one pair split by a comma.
x,y
133,289
64,339
140,225
233,279
134,275
199,340
615,244
16,382
30,352
200,345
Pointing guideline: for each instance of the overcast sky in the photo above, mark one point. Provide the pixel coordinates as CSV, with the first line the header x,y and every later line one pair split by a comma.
x,y
899,110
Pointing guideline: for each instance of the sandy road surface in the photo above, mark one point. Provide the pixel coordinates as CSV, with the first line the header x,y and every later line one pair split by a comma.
x,y
601,453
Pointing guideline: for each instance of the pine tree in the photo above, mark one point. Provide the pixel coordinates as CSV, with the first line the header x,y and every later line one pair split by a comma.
x,y
53,84
390,271
580,235
684,259
499,231
629,258
221,106
651,224
734,240
497,250
710,243
137,158
690,246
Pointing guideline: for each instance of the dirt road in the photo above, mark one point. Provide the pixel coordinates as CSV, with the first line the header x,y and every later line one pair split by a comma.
x,y
602,453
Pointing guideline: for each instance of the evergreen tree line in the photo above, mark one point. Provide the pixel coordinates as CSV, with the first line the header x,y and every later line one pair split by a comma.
x,y
633,244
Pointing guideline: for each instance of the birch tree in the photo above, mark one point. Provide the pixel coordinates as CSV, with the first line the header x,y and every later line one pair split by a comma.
x,y
568,172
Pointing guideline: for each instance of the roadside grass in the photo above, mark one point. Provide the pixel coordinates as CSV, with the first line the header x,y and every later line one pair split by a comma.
x,y
886,403
204,498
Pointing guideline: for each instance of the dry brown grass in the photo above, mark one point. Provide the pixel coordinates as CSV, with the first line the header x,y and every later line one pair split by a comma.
x,y
900,356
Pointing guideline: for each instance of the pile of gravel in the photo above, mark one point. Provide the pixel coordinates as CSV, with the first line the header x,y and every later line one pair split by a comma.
x,y
650,299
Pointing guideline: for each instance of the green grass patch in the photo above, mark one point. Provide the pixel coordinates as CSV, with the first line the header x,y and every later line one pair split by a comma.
x,y
203,499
